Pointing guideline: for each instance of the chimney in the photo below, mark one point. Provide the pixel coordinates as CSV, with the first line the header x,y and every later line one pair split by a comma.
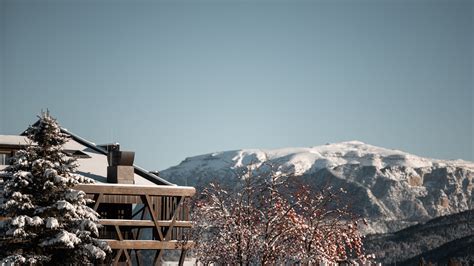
x,y
120,169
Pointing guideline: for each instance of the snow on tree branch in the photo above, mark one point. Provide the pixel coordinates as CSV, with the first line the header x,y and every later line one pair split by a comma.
x,y
270,221
48,220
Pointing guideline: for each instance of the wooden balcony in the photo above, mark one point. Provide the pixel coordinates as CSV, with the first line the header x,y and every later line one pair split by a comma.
x,y
136,218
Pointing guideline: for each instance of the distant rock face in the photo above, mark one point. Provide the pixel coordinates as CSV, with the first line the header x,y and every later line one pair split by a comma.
x,y
439,240
393,189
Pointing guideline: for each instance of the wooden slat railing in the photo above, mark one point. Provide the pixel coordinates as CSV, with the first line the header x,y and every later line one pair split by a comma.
x,y
162,209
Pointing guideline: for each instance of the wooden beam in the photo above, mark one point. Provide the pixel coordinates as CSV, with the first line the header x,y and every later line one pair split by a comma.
x,y
170,228
127,256
138,257
136,234
117,257
97,199
153,216
173,219
118,199
148,244
119,234
157,259
125,251
144,223
126,189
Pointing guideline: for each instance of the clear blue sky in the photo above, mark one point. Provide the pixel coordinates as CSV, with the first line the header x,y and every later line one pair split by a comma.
x,y
171,79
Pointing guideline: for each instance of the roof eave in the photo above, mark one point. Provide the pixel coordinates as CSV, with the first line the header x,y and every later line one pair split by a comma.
x,y
137,169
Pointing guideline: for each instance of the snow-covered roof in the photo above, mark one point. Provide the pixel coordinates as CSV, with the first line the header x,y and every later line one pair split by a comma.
x,y
95,166
13,140
142,176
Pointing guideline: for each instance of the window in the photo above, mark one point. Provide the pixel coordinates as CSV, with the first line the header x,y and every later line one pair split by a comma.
x,y
120,214
5,157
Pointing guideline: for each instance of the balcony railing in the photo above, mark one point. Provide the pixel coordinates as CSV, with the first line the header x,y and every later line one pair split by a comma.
x,y
138,218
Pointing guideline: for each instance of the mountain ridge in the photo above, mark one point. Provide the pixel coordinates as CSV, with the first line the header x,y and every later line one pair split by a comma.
x,y
392,188
358,151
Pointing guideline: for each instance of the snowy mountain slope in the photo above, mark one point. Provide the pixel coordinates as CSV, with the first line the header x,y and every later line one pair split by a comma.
x,y
392,188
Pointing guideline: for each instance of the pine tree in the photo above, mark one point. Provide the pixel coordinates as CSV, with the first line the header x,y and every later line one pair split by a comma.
x,y
49,221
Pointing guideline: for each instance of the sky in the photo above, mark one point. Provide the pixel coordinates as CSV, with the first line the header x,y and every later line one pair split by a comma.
x,y
174,79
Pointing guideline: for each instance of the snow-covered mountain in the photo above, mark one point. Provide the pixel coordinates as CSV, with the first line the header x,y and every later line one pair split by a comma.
x,y
393,189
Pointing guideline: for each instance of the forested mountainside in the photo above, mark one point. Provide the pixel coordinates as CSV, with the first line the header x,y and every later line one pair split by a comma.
x,y
438,240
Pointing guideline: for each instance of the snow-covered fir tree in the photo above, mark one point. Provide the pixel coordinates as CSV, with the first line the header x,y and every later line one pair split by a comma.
x,y
49,221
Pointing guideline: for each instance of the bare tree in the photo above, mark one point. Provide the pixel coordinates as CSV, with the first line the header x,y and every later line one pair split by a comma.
x,y
269,222
328,230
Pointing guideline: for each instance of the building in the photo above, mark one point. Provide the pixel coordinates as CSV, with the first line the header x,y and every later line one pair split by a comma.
x,y
142,214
